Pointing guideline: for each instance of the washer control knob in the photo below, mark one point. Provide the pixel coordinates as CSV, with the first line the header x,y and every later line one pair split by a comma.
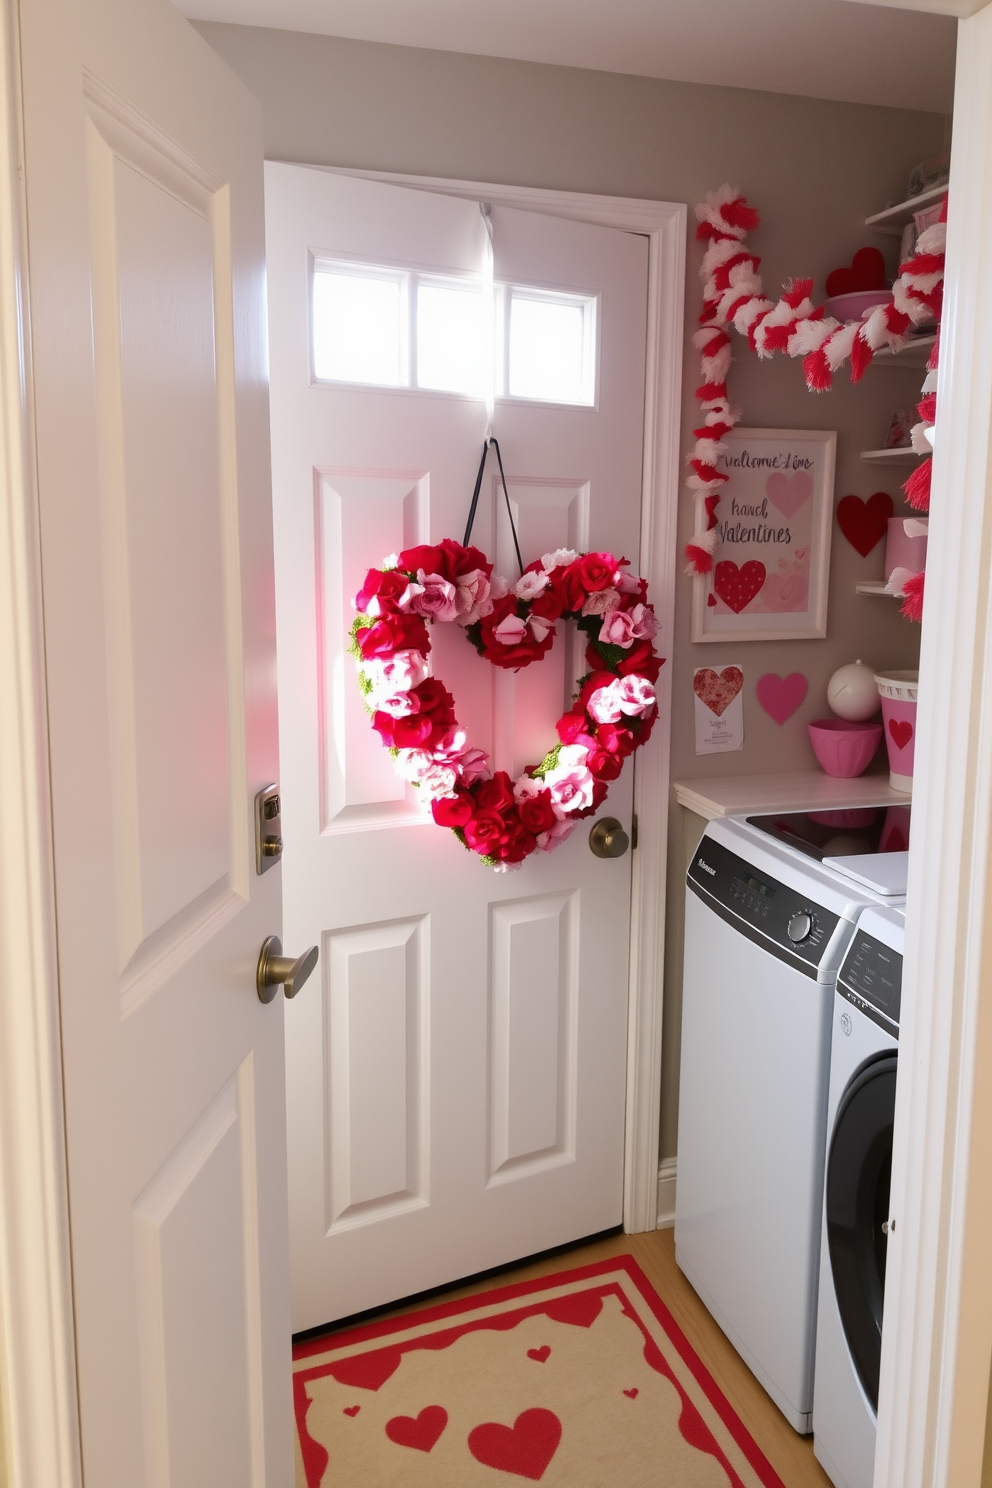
x,y
799,927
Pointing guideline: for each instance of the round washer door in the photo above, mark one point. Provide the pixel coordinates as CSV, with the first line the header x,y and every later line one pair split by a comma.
x,y
859,1166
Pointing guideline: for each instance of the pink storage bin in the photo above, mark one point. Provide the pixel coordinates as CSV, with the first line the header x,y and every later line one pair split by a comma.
x,y
898,693
903,551
843,749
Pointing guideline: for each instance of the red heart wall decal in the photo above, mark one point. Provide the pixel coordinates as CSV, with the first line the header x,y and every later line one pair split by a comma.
x,y
418,1431
541,1354
866,271
738,586
717,690
524,1449
900,732
352,1410
781,696
863,523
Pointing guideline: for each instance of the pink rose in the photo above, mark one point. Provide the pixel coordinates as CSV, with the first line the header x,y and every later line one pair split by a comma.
x,y
571,781
531,584
549,840
526,788
604,705
560,558
601,602
434,597
635,696
617,629
511,630
437,781
471,764
627,583
396,704
474,601
539,628
645,622
397,673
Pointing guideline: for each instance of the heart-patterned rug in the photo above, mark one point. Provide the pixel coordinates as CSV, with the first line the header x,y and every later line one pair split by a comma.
x,y
582,1378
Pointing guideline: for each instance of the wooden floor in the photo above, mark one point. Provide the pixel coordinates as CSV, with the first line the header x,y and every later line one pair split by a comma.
x,y
791,1455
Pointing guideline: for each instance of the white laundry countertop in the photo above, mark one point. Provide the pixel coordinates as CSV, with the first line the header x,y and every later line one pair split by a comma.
x,y
804,790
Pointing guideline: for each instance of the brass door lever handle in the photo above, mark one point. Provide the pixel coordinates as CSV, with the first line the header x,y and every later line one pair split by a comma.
x,y
275,970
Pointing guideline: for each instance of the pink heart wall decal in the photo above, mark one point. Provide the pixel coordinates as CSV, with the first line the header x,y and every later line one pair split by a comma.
x,y
781,696
787,493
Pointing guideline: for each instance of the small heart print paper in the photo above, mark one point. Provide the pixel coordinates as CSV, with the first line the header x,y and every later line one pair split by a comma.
x,y
719,708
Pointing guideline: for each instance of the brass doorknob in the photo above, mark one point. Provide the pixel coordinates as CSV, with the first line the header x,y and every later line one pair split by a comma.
x,y
608,838
275,970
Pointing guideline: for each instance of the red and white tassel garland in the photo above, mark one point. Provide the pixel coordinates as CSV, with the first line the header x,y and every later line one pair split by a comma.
x,y
733,296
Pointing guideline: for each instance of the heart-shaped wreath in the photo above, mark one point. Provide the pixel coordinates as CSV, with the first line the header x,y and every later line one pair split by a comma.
x,y
613,713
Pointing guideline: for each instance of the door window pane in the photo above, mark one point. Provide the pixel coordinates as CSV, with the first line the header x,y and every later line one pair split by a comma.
x,y
551,350
452,346
359,327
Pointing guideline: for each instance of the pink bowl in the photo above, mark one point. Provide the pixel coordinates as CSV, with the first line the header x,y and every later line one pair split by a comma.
x,y
853,306
844,749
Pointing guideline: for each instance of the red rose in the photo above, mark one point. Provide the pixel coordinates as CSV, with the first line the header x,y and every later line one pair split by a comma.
x,y
413,732
641,658
386,586
518,843
566,585
603,764
421,557
536,813
599,790
596,571
518,653
453,811
570,725
391,634
456,560
547,605
619,741
484,832
495,794
435,699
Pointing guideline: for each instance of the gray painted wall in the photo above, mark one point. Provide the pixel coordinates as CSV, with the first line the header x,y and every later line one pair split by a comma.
x,y
814,169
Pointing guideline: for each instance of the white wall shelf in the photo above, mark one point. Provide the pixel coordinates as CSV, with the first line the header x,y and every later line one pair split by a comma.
x,y
894,219
803,790
873,586
916,353
888,456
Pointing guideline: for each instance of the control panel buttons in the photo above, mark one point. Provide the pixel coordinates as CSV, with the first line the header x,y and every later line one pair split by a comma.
x,y
799,927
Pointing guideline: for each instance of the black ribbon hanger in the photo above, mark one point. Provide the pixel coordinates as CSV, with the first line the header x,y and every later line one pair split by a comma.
x,y
491,442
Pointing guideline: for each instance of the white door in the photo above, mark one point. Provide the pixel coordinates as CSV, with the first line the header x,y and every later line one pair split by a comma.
x,y
456,1092
144,197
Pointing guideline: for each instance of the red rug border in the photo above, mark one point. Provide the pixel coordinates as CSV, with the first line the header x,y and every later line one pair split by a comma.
x,y
625,1262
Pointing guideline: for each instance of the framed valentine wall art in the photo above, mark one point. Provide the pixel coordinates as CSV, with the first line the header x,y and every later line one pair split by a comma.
x,y
773,525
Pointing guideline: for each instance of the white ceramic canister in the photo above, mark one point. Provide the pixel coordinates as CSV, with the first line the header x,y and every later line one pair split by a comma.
x,y
897,691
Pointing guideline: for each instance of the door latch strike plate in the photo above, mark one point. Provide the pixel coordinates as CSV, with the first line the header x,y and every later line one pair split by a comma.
x,y
268,829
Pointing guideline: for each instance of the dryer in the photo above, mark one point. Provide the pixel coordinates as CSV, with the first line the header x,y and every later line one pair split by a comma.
x,y
860,1109
767,926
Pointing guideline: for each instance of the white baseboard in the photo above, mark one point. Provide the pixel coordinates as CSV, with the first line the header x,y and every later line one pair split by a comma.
x,y
666,1193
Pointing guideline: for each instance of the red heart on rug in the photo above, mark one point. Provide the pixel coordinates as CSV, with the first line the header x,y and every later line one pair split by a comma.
x,y
367,1371
781,696
525,1448
540,1354
787,493
418,1431
581,1309
352,1410
738,586
900,732
717,690
632,1394
867,271
864,522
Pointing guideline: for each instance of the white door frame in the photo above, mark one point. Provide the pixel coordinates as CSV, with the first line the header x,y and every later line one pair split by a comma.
x,y
39,1424
937,1345
664,225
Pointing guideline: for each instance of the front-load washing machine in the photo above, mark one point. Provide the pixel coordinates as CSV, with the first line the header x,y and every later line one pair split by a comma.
x,y
766,929
860,1108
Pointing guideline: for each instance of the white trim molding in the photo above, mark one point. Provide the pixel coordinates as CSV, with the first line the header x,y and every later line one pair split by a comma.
x,y
937,1343
664,225
666,1192
39,1427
